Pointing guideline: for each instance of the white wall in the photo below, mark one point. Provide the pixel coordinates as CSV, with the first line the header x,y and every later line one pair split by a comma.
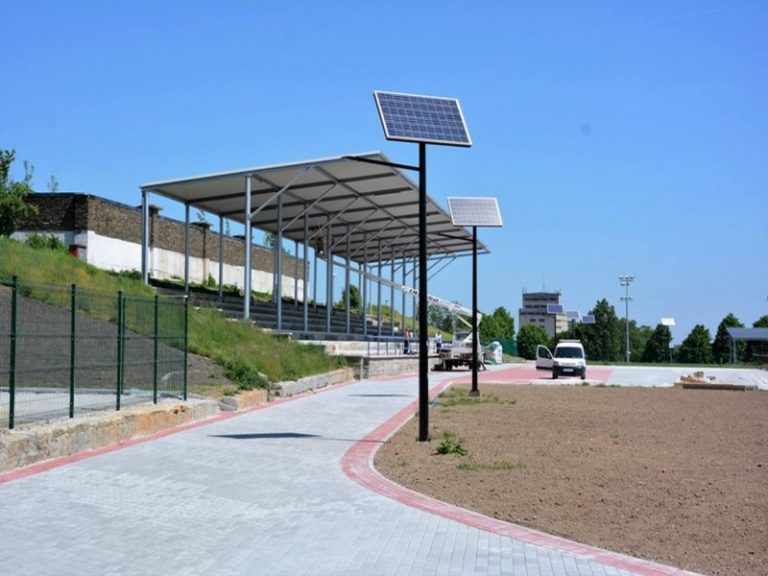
x,y
117,255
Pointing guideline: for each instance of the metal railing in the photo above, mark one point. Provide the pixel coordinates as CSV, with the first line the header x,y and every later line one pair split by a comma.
x,y
66,350
392,345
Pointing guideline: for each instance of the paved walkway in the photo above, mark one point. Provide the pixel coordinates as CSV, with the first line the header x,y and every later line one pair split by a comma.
x,y
282,490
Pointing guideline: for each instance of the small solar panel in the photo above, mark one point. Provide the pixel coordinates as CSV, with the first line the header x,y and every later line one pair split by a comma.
x,y
555,309
428,119
587,319
573,315
474,211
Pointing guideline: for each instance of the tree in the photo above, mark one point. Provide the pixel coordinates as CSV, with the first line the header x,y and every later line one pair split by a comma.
x,y
497,326
657,347
602,340
440,318
758,351
354,297
528,338
697,347
13,195
53,184
638,338
721,347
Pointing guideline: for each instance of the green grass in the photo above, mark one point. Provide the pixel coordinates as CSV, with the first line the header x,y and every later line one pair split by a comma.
x,y
246,351
45,266
460,397
251,358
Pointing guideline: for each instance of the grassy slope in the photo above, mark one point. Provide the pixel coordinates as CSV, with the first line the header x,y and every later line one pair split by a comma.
x,y
245,351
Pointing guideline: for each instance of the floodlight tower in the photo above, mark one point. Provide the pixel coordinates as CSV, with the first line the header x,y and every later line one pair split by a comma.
x,y
625,281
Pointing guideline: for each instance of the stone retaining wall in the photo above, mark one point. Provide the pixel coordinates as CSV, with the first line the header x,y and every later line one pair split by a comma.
x,y
375,366
291,387
27,445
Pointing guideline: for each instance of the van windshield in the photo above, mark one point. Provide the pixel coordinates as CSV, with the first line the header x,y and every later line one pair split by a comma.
x,y
569,352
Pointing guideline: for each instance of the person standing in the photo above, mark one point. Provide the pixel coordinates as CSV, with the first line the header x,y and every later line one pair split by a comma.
x,y
406,342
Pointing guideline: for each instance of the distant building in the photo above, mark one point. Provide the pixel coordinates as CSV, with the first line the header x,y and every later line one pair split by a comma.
x,y
534,311
107,234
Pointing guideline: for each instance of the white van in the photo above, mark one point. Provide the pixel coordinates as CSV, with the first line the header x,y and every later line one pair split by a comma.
x,y
568,360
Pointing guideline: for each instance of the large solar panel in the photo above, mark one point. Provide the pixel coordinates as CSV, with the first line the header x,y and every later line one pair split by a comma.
x,y
428,119
555,309
474,211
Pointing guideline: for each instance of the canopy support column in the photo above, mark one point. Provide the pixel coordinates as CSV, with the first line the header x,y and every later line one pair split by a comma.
x,y
347,289
247,271
279,263
413,299
378,295
221,258
144,236
296,274
314,279
402,323
186,248
306,271
328,280
392,293
365,287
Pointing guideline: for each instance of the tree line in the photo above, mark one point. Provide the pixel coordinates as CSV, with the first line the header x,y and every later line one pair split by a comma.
x,y
605,340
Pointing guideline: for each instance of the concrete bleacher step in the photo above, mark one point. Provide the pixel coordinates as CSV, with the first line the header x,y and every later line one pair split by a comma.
x,y
264,315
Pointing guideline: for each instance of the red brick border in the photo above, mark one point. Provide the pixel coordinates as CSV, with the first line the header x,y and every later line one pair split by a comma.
x,y
357,464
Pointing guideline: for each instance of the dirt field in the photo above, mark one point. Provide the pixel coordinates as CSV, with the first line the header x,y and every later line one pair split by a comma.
x,y
676,476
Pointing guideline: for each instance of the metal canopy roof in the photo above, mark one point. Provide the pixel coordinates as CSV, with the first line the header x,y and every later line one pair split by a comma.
x,y
370,202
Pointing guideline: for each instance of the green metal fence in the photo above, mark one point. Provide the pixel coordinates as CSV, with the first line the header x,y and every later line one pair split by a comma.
x,y
66,350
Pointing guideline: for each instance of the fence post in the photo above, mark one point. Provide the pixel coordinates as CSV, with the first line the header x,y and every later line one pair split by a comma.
x,y
155,351
186,341
119,347
12,355
72,350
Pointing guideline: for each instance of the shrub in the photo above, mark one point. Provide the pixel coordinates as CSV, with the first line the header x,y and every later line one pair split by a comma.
x,y
451,444
43,241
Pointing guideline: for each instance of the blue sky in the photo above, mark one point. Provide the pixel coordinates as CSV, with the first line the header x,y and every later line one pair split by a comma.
x,y
619,137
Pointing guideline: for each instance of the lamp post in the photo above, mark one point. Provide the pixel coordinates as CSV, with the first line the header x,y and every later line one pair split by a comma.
x,y
625,281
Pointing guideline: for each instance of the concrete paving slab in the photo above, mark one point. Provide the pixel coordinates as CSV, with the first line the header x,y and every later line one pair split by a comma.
x,y
282,490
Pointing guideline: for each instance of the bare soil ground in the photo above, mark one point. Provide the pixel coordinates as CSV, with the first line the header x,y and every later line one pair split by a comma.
x,y
676,476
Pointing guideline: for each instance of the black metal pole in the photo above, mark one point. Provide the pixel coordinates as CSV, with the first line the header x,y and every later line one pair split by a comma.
x,y
475,331
423,316
72,348
120,312
12,353
155,347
